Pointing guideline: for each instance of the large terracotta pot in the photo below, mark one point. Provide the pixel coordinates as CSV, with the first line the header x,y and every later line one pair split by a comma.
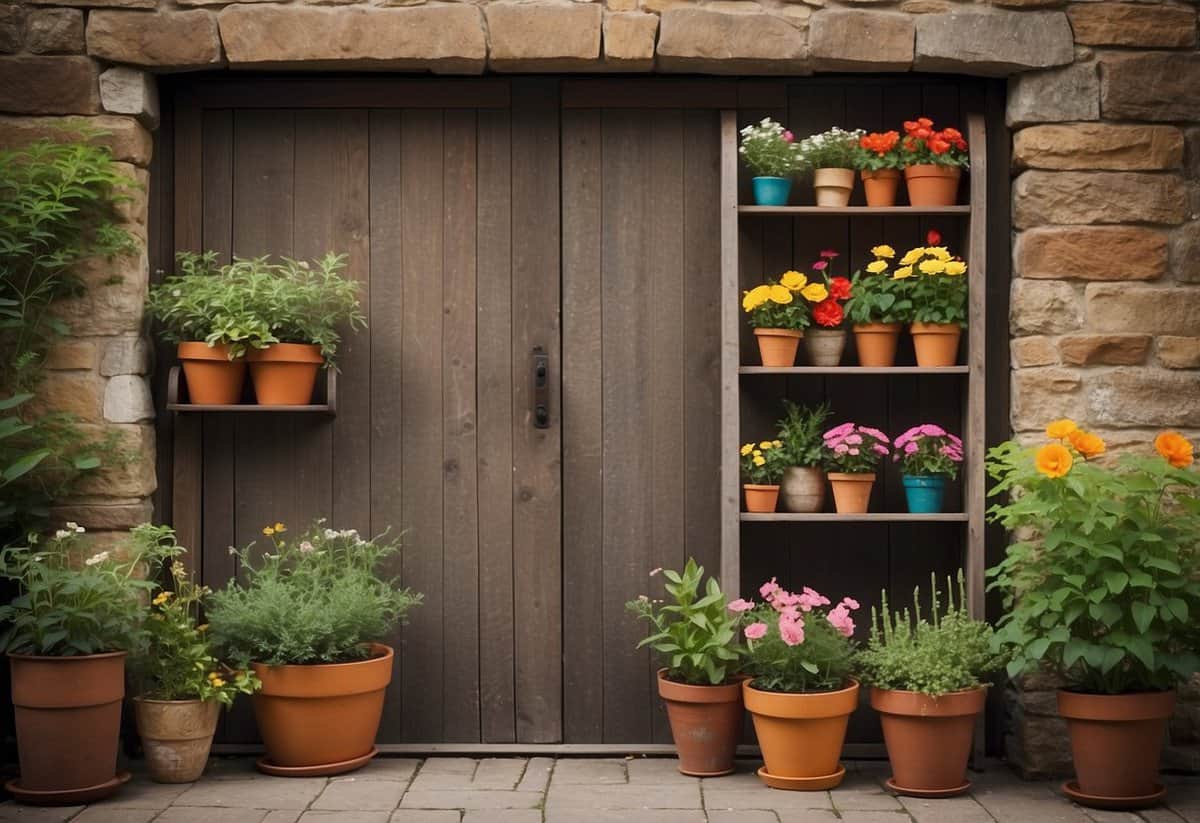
x,y
833,186
881,186
761,499
176,736
68,722
928,738
803,489
777,347
284,373
936,344
825,346
876,343
932,185
321,719
801,735
851,492
705,724
1116,740
212,378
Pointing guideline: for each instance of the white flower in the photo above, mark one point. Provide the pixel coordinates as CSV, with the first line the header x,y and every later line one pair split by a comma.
x,y
99,558
62,534
306,547
330,534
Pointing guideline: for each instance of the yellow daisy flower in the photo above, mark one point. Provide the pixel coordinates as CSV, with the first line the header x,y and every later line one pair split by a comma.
x,y
766,444
755,297
760,460
940,252
815,292
268,531
777,444
877,266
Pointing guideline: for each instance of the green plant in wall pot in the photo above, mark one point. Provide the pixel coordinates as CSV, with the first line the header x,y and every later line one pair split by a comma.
x,y
880,304
1101,589
802,485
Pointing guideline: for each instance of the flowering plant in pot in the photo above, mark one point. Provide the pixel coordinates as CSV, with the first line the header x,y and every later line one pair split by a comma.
x,y
696,636
831,156
852,453
307,616
1100,588
879,305
779,312
763,465
925,673
928,455
939,300
75,617
827,338
800,695
803,451
180,684
773,156
933,162
877,157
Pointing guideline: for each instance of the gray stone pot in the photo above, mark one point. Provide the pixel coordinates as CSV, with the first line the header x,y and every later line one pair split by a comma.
x,y
825,346
803,489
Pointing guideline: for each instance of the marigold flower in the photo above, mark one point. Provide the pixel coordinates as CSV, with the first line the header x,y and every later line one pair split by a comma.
x,y
747,448
1054,460
877,266
759,460
1086,443
1175,448
162,598
912,256
883,251
756,297
940,252
955,268
814,292
780,295
766,444
280,528
793,280
1061,429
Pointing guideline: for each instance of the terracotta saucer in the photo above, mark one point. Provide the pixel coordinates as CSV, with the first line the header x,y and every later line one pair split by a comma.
x,y
803,784
320,770
1071,790
70,797
707,774
928,793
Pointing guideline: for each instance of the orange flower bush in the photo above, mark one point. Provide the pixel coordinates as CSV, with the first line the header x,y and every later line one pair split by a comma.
x,y
1176,449
922,143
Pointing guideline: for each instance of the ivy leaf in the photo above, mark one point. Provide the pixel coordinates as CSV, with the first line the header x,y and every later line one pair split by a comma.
x,y
1143,615
1116,581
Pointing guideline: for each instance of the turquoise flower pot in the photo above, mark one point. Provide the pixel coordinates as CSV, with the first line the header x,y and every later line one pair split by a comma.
x,y
924,493
772,191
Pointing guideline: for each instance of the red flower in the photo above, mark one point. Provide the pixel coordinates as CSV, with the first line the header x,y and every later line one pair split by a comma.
x,y
910,126
951,134
923,134
828,254
820,265
938,146
933,238
960,144
828,312
881,144
839,288
925,122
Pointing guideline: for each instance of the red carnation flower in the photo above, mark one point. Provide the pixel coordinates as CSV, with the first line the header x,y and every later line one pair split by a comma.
x,y
828,312
839,288
933,238
925,122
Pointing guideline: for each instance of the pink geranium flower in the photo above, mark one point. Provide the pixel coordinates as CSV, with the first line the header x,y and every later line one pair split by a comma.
x,y
756,631
769,588
740,605
791,631
840,619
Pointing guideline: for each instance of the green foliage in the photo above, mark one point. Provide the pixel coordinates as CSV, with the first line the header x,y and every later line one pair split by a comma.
x,y
833,149
794,644
769,150
763,463
878,298
938,286
948,652
319,599
800,431
695,634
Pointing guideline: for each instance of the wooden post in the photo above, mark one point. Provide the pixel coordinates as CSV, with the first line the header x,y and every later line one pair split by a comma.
x,y
730,497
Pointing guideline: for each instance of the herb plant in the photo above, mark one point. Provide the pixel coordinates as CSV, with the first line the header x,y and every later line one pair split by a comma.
x,y
800,433
928,450
855,449
763,463
208,302
770,150
878,151
833,149
876,296
306,303
938,287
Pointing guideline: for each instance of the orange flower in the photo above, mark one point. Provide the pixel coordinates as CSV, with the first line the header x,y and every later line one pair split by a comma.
x,y
1175,448
1054,460
1086,443
1061,429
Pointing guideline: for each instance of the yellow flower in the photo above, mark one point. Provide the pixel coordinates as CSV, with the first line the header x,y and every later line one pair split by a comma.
x,y
757,453
746,449
877,266
902,272
932,266
793,280
280,528
1061,429
163,597
955,268
203,627
213,675
217,683
766,444
913,256
940,252
883,251
755,297
815,292
1087,444
780,295
759,460
268,531
777,444
1054,460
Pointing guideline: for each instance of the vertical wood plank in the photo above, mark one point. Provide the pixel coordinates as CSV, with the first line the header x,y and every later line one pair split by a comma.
x,y
730,389
975,433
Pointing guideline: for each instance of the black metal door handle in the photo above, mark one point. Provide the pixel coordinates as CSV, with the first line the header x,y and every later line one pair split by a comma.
x,y
541,388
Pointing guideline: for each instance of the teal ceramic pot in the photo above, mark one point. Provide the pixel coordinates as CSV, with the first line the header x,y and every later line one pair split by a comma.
x,y
772,191
924,493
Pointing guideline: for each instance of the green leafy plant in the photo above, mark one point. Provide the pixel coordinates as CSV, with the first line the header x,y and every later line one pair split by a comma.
x,y
948,651
833,149
800,431
318,599
763,463
695,633
769,149
879,297
938,285
795,642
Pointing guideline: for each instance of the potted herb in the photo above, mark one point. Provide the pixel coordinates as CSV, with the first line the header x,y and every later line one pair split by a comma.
x,y
779,312
854,451
831,155
826,340
773,156
803,451
878,160
800,694
878,307
308,617
180,684
1101,589
933,162
76,616
926,677
927,455
939,302
696,635
762,467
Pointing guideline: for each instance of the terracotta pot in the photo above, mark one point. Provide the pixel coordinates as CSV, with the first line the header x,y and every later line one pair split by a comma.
x,y
284,374
176,736
833,186
876,343
803,489
825,346
705,724
761,499
881,186
851,492
777,347
936,344
68,721
315,717
1116,740
932,185
928,738
801,735
212,378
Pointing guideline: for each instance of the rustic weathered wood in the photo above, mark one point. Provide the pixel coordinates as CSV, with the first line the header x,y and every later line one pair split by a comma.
x,y
160,251
851,751
853,211
657,93
853,371
731,496
973,470
868,517
352,92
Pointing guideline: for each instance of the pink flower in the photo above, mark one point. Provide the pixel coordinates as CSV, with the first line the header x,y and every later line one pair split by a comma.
x,y
854,452
850,603
788,137
910,447
792,631
829,254
908,435
879,448
306,546
854,439
784,599
740,605
841,448
839,431
932,430
876,433
810,599
820,265
756,631
769,588
955,439
840,619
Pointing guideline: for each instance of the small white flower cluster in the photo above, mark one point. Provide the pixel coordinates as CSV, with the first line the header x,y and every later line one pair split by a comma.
x,y
97,559
70,530
769,149
351,534
830,149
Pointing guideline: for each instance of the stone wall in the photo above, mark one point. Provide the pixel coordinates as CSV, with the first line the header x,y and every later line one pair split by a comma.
x,y
1104,105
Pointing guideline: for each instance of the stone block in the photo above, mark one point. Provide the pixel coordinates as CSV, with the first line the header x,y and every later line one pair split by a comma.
x,y
1147,25
1191,152
128,91
72,355
629,796
1143,309
127,399
1179,352
295,793
926,7
1091,253
1057,95
49,85
125,355
443,39
629,40
1144,397
127,140
12,28
470,799
621,5
1156,85
77,393
1104,349
54,31
97,4
113,301
1071,197
589,772
860,40
1044,307
993,43
349,794
161,39
700,40
1033,351
1098,146
1185,253
105,515
543,36
1043,394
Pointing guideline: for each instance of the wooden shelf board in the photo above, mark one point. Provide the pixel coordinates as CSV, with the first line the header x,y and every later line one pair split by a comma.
x,y
242,408
869,517
852,370
177,399
846,211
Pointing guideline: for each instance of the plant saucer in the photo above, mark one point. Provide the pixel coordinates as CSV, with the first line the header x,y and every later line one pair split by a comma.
x,y
803,784
1095,801
926,793
318,770
68,797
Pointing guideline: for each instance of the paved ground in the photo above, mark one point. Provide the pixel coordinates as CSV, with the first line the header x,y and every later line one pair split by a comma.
x,y
544,790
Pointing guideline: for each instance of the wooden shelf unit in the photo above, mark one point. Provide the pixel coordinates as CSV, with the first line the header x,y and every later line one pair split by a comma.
x,y
178,401
853,371
854,211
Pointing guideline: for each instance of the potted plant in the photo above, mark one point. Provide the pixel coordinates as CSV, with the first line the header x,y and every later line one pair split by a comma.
x,y
878,307
854,451
803,451
308,617
927,455
696,635
779,312
933,162
878,160
800,694
939,303
925,675
826,340
831,156
762,467
75,617
773,156
1100,587
180,685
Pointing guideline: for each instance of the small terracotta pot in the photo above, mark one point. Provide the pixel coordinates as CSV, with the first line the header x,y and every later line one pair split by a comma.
x,y
928,738
801,735
314,717
176,736
881,186
803,489
705,724
876,343
936,344
777,347
851,492
1116,740
212,378
761,499
825,346
932,185
284,373
833,186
